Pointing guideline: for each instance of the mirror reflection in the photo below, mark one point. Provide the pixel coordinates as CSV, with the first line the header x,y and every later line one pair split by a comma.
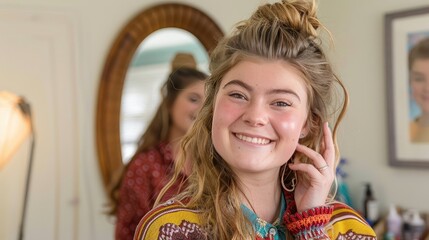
x,y
147,72
113,79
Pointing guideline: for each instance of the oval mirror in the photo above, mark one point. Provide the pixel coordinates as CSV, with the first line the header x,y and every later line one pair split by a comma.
x,y
148,70
111,86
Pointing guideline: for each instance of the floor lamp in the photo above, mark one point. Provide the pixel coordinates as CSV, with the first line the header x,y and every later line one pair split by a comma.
x,y
15,126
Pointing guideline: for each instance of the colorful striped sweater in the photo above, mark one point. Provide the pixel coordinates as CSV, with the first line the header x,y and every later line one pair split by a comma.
x,y
172,221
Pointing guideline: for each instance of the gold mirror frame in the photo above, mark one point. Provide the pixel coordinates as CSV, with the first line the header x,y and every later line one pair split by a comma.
x,y
112,80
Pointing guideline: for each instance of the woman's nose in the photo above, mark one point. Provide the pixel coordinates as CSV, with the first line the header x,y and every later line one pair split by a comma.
x,y
255,114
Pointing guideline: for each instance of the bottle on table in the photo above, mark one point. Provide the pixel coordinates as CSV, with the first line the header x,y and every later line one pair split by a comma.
x,y
370,206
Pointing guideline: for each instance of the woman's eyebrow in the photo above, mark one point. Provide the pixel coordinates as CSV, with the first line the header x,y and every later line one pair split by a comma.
x,y
239,83
285,91
273,91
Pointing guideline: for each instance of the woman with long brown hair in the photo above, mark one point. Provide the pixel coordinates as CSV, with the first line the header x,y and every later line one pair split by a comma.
x,y
263,155
151,166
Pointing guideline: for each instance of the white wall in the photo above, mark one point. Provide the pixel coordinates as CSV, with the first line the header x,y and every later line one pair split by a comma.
x,y
358,56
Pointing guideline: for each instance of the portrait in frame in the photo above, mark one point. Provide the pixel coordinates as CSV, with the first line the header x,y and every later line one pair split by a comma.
x,y
407,81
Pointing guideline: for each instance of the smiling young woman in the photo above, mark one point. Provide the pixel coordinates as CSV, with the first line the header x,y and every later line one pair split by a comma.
x,y
262,155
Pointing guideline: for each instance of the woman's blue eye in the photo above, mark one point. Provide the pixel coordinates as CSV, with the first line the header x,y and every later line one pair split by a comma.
x,y
282,104
237,95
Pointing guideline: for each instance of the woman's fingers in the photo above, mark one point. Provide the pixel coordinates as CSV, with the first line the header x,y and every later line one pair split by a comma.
x,y
321,173
328,146
319,163
322,162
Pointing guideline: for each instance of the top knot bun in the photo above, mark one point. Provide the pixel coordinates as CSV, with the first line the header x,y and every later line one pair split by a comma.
x,y
298,15
183,59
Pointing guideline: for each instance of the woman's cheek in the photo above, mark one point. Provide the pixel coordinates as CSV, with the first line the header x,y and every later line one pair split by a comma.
x,y
222,114
227,108
289,127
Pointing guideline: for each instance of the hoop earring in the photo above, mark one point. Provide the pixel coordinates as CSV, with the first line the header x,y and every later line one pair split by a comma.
x,y
293,180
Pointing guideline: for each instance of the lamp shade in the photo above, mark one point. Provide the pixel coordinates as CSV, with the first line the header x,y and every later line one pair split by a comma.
x,y
15,125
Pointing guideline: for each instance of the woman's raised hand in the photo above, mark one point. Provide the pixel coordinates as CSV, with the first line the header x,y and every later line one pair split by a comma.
x,y
321,173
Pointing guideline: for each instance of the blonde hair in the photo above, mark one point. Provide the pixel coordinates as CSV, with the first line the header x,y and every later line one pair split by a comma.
x,y
285,30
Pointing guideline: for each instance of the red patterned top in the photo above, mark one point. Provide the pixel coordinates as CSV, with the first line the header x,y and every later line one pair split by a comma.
x,y
144,177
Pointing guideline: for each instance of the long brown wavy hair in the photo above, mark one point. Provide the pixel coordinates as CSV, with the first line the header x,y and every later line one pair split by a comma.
x,y
160,125
288,31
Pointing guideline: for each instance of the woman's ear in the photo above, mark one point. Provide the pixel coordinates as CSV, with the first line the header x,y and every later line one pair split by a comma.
x,y
304,131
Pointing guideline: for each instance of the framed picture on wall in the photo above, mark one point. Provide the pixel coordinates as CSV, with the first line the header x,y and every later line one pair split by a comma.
x,y
407,78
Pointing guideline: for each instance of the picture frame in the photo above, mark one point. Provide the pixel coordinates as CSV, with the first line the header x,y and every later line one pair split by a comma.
x,y
403,29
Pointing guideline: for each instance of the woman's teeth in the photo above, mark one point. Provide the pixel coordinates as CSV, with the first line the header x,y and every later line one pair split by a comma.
x,y
261,141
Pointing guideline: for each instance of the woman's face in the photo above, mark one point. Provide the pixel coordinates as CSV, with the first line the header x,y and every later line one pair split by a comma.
x,y
260,111
186,107
419,79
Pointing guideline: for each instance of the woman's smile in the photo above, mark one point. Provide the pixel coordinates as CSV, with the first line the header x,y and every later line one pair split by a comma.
x,y
254,140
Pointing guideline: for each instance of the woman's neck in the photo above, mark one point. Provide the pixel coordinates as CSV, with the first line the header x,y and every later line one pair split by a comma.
x,y
174,137
262,196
